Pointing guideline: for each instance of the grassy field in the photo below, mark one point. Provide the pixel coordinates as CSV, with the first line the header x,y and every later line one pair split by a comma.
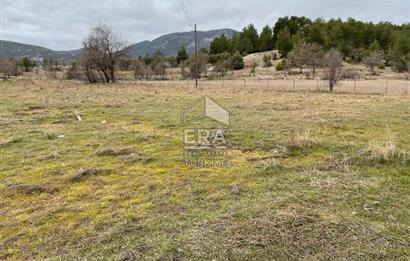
x,y
313,175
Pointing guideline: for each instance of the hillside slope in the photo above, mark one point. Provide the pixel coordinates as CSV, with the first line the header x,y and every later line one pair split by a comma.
x,y
19,50
170,43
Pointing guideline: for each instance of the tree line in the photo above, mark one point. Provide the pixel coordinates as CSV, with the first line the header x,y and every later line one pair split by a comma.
x,y
356,40
300,41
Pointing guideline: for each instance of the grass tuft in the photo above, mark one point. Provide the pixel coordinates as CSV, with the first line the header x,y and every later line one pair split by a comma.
x,y
31,189
88,172
269,164
341,163
136,157
53,155
385,152
301,139
8,142
101,152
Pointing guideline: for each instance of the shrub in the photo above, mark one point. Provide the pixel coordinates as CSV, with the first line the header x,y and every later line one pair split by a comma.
x,y
237,61
350,73
267,60
73,73
282,65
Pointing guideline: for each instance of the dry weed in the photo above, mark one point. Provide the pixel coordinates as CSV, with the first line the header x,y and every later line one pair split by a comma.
x,y
301,139
387,151
101,152
31,189
268,164
8,142
88,172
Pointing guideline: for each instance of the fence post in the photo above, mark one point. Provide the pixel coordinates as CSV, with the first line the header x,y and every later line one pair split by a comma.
x,y
354,88
387,82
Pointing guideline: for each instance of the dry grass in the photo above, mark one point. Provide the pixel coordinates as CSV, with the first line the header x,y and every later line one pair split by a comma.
x,y
341,163
53,155
124,192
387,151
31,189
8,142
301,139
100,152
88,172
269,164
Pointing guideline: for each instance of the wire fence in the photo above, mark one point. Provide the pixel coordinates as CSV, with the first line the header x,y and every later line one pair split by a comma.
x,y
387,87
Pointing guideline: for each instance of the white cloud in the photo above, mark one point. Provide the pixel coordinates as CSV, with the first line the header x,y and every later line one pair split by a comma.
x,y
61,25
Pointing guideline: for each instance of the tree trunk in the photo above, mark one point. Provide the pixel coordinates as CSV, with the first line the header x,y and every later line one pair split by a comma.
x,y
331,86
112,75
107,78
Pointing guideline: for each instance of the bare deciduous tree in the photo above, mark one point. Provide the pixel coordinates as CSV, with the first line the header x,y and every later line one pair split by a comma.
x,y
299,56
373,59
158,64
90,69
9,67
202,61
333,62
222,66
315,56
183,65
141,70
304,54
102,50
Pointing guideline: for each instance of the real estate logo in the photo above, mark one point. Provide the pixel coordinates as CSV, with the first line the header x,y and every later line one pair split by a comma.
x,y
205,143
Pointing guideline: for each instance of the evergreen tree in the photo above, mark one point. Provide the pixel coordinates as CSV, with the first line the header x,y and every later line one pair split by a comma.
x,y
219,45
284,43
182,55
266,39
27,64
248,40
237,62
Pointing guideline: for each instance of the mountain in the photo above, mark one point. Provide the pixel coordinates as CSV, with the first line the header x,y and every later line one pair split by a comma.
x,y
19,50
168,44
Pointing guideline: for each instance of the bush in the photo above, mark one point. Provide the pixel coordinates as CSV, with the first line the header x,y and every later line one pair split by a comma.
x,y
237,62
73,73
381,67
282,65
267,60
350,73
215,58
9,67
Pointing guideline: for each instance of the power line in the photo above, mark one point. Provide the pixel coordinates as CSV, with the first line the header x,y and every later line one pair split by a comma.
x,y
186,12
1,19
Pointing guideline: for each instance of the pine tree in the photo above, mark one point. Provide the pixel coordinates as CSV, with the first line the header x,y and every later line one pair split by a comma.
x,y
182,55
266,39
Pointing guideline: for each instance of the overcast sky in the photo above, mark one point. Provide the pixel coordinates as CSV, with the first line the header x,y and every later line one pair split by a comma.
x,y
61,25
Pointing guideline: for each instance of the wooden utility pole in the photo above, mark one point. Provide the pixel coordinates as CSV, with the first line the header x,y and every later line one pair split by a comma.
x,y
196,59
